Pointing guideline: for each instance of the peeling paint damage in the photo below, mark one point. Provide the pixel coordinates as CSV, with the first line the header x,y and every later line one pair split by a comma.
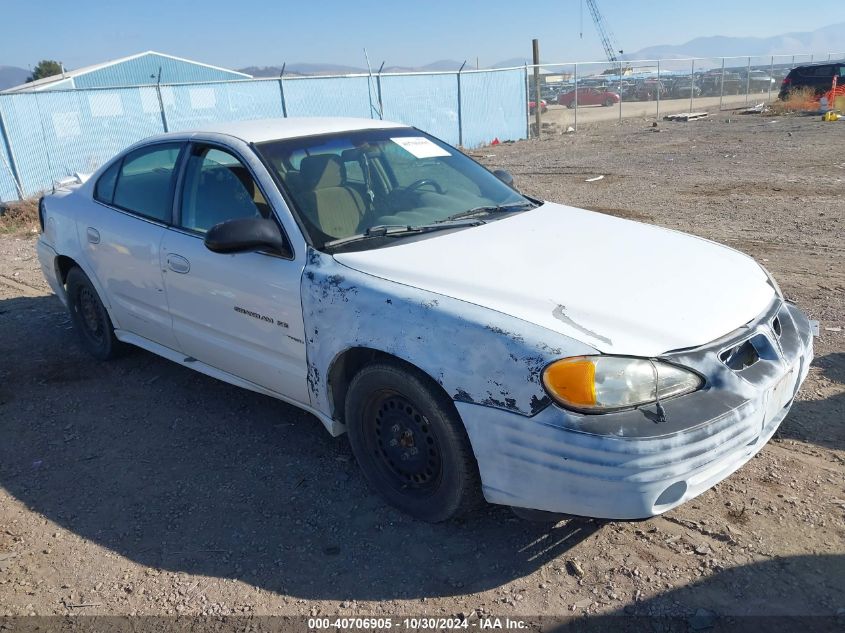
x,y
423,329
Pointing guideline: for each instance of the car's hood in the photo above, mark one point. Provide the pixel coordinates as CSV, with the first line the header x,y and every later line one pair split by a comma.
x,y
622,287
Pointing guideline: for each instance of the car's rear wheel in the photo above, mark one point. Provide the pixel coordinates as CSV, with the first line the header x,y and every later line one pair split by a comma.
x,y
410,443
89,316
608,102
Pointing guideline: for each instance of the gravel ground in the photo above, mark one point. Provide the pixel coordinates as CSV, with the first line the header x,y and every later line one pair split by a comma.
x,y
140,487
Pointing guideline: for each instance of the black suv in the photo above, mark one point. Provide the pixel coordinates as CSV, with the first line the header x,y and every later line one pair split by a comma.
x,y
819,77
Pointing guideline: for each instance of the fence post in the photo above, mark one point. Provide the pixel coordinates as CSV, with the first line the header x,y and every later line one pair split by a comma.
x,y
747,80
460,113
12,166
527,108
370,84
378,92
535,45
161,102
576,97
691,83
722,85
282,90
657,89
44,138
620,91
771,76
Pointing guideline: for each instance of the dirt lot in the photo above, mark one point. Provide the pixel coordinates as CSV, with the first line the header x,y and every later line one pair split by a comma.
x,y
140,487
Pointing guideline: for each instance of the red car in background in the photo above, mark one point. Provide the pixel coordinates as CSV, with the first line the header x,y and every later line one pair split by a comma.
x,y
543,106
588,96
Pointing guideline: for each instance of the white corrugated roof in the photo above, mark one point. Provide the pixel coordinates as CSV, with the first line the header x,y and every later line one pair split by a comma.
x,y
38,84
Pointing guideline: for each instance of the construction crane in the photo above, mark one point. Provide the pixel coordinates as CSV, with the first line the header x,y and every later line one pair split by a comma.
x,y
611,47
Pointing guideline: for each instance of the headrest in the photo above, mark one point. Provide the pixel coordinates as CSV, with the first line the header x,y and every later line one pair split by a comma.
x,y
350,155
323,170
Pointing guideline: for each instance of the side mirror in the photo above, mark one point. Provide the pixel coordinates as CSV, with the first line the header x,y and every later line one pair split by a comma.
x,y
246,234
505,176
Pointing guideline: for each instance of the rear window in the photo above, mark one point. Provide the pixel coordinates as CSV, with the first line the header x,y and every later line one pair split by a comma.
x,y
104,189
145,181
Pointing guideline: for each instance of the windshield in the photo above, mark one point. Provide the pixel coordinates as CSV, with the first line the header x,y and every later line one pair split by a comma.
x,y
361,182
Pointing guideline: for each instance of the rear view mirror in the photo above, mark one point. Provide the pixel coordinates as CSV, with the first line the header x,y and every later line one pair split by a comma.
x,y
247,234
505,176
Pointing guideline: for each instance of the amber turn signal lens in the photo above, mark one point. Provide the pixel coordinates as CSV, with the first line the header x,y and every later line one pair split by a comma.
x,y
572,380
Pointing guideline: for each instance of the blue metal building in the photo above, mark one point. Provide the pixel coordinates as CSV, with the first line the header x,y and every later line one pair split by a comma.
x,y
135,70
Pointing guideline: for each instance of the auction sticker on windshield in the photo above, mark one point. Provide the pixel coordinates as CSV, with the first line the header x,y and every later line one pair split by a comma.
x,y
420,146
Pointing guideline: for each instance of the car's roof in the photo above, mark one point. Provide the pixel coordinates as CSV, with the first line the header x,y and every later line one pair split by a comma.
x,y
832,62
261,130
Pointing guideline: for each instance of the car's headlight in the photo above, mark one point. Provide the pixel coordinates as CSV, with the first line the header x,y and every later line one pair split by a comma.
x,y
597,384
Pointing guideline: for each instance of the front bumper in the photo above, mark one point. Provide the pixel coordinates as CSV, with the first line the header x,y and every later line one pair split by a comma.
x,y
626,465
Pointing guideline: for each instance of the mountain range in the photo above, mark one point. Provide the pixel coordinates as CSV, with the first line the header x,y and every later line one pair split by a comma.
x,y
827,39
443,65
12,76
824,40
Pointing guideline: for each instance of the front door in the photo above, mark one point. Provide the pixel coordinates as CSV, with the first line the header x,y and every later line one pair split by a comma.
x,y
240,313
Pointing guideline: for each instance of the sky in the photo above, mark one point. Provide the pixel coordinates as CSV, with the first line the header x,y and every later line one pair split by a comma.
x,y
238,33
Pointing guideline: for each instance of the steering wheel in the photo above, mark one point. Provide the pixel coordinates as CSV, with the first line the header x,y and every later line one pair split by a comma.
x,y
422,182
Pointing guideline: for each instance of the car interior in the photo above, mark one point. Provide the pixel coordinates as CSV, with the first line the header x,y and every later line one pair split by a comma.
x,y
218,188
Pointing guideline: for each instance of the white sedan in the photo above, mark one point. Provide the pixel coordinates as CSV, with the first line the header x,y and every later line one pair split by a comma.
x,y
470,339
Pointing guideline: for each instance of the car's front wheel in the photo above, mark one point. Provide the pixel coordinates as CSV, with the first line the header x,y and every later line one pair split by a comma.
x,y
410,443
89,316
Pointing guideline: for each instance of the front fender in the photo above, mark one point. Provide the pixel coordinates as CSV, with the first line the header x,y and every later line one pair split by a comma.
x,y
477,355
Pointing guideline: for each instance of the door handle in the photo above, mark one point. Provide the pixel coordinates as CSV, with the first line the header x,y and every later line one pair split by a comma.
x,y
178,264
93,235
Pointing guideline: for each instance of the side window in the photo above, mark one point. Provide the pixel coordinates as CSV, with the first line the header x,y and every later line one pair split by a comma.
x,y
104,189
145,182
824,71
218,187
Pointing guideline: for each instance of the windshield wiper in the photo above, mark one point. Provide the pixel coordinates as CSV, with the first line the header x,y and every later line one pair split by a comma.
x,y
488,210
399,230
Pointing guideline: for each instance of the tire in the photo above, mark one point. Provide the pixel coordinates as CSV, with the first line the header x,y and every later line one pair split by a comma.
x,y
570,105
90,318
410,443
608,103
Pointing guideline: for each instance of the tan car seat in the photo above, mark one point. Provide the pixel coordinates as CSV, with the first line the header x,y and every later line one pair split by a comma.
x,y
333,206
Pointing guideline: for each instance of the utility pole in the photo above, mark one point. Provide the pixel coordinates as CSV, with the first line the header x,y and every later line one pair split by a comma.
x,y
535,44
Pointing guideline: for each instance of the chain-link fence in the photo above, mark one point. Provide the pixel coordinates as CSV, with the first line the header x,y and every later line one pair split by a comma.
x,y
49,135
601,91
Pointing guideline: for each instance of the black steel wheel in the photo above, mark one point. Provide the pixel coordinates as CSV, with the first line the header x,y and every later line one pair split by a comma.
x,y
410,443
89,316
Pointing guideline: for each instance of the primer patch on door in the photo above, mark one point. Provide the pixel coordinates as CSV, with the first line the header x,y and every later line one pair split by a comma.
x,y
420,146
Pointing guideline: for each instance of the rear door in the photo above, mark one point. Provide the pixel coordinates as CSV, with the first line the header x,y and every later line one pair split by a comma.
x,y
821,77
242,312
122,238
